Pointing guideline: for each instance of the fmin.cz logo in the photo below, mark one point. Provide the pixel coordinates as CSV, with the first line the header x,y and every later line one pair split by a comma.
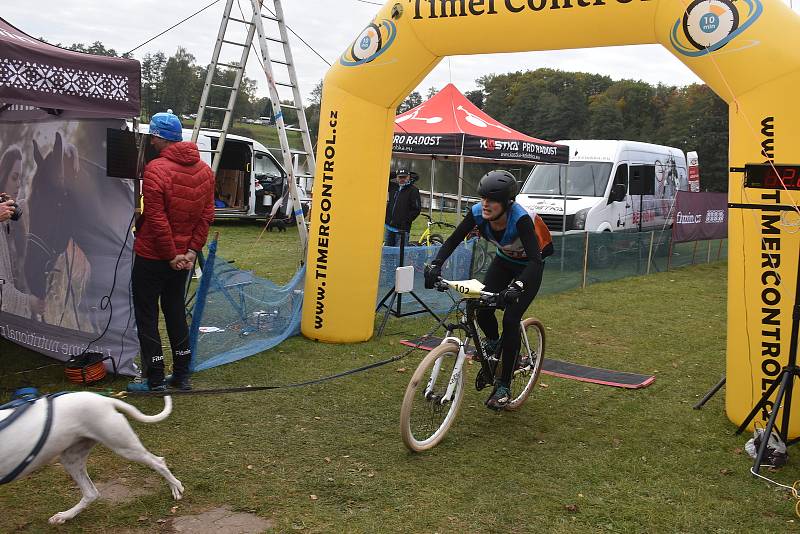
x,y
708,25
371,43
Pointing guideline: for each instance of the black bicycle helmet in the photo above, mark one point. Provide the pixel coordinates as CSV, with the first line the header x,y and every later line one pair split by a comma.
x,y
499,186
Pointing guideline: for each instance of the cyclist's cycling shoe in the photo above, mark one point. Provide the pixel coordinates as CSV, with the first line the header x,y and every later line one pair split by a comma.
x,y
481,381
490,347
523,361
499,399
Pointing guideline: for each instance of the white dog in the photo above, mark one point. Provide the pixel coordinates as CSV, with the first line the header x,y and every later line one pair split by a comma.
x,y
78,422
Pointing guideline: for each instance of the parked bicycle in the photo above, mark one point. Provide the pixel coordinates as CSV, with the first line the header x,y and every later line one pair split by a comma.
x,y
436,389
428,238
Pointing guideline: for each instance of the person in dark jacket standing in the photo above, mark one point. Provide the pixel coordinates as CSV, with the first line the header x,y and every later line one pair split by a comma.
x,y
178,190
402,207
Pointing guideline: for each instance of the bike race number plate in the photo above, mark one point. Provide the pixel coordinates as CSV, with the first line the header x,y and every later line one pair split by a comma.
x,y
468,288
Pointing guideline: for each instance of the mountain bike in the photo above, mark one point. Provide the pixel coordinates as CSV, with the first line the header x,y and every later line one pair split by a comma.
x,y
428,238
436,389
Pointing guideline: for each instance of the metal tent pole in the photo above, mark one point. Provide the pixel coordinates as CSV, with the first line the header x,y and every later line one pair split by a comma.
x,y
433,181
563,216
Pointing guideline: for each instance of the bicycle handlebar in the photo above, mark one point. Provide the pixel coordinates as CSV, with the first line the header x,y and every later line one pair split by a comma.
x,y
437,223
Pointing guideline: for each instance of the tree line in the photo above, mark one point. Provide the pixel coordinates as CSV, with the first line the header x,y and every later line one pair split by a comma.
x,y
544,103
552,104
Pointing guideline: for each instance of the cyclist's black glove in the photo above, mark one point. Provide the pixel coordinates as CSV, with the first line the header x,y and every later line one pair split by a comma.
x,y
511,294
432,273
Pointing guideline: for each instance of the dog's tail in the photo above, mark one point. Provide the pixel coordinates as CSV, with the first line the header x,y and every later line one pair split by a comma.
x,y
139,416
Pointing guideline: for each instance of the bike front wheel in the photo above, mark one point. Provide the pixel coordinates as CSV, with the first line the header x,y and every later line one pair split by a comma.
x,y
529,362
436,239
426,414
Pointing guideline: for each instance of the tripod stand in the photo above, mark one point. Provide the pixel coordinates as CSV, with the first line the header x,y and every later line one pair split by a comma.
x,y
394,296
784,381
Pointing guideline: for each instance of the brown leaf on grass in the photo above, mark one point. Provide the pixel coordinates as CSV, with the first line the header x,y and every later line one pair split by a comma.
x,y
401,369
737,450
327,460
313,497
250,467
725,471
543,385
173,509
571,508
141,518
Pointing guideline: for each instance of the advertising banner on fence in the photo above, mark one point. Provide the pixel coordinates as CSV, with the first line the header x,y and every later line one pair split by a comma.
x,y
700,216
65,264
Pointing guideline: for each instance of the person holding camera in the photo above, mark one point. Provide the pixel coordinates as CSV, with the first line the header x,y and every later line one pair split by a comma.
x,y
402,207
515,272
7,208
12,300
178,190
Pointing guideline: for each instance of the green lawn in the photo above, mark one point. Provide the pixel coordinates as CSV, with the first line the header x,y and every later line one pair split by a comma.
x,y
266,135
577,458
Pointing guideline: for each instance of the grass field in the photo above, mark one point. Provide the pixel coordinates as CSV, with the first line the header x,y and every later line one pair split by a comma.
x,y
266,135
577,458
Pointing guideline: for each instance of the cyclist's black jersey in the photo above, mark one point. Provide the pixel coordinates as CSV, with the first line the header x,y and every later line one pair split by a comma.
x,y
526,235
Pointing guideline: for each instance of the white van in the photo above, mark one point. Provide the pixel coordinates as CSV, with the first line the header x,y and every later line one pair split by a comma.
x,y
249,181
610,186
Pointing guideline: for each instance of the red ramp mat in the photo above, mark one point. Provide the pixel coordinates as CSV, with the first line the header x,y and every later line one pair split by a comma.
x,y
573,371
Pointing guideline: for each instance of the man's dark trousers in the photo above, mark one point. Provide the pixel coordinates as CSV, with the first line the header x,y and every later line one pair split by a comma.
x,y
153,280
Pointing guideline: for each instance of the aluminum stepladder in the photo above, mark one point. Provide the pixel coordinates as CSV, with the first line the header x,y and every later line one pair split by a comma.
x,y
299,164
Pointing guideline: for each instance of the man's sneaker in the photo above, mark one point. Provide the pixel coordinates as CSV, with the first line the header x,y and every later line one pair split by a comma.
x,y
183,383
501,396
144,387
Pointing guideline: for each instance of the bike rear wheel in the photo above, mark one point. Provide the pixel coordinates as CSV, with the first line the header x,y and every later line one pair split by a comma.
x,y
425,416
436,239
529,364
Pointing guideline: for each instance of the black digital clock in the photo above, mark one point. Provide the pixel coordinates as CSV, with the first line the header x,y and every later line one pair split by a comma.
x,y
766,176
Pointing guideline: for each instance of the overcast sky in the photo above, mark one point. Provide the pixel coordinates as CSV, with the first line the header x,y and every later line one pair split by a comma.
x,y
329,26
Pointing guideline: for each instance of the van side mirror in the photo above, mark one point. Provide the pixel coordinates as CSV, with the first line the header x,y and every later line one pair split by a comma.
x,y
617,193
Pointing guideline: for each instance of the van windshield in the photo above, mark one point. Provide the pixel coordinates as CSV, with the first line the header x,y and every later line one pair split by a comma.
x,y
584,178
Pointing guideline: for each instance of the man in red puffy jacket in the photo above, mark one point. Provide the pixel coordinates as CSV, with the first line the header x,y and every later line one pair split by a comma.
x,y
178,189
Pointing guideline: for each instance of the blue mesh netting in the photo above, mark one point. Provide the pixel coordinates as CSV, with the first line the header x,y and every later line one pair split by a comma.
x,y
457,267
238,314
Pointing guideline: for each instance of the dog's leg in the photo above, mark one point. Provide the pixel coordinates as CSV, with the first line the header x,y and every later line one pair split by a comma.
x,y
74,461
125,442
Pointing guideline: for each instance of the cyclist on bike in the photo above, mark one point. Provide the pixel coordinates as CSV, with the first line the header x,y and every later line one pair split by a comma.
x,y
515,272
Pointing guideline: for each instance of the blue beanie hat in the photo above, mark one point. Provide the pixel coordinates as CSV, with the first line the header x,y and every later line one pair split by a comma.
x,y
167,126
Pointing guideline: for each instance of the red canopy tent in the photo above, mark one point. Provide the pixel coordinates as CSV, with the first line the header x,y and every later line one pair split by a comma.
x,y
449,126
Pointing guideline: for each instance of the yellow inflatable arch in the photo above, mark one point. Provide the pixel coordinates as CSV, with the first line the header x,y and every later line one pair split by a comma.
x,y
745,50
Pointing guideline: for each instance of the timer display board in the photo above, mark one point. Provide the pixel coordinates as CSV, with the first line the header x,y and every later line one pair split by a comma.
x,y
765,176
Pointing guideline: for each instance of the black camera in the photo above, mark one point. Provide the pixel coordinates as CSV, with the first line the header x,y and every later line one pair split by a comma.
x,y
17,209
